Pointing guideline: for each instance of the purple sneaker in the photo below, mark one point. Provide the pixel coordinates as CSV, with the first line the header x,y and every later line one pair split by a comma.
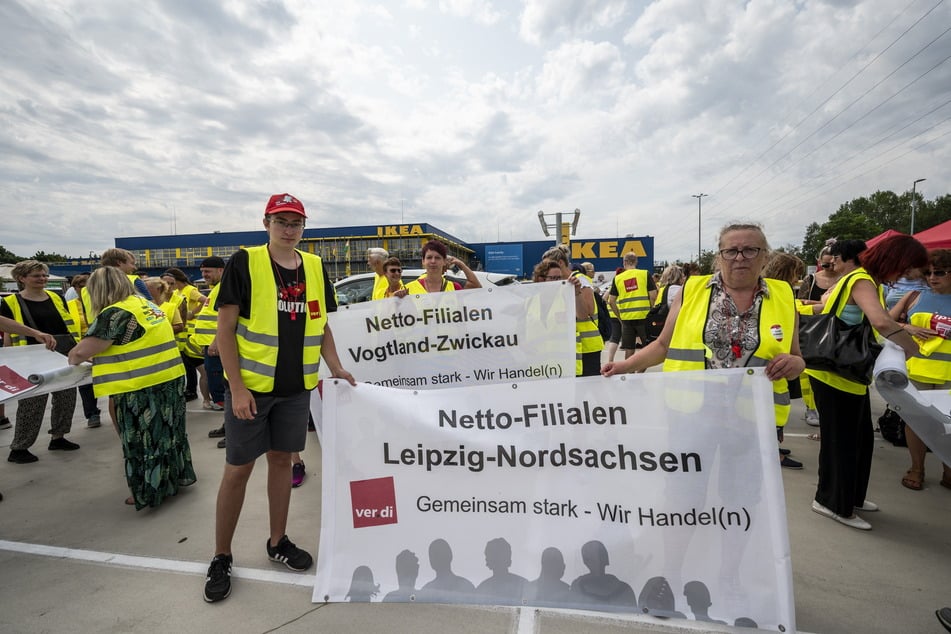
x,y
297,474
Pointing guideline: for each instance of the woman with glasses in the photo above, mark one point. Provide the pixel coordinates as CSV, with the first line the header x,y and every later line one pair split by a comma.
x,y
825,277
730,320
393,273
42,310
929,322
845,419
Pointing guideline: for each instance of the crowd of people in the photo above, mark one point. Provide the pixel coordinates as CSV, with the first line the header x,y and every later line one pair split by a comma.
x,y
158,343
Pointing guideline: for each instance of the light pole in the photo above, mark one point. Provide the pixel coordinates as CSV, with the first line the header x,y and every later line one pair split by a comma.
x,y
699,198
914,204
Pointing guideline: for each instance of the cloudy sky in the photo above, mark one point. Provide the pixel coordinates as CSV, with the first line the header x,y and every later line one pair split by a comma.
x,y
126,118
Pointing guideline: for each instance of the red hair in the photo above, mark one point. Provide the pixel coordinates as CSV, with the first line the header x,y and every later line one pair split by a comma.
x,y
889,259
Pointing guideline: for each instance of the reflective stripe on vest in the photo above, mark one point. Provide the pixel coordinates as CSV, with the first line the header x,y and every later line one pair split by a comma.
x,y
150,360
206,321
633,300
777,318
58,303
257,336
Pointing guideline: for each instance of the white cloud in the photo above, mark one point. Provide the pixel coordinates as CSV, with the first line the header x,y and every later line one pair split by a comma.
x,y
543,20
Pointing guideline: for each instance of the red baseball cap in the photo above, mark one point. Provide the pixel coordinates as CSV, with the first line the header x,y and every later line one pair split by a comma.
x,y
284,203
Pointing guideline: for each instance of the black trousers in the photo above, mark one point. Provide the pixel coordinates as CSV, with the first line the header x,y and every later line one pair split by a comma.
x,y
845,450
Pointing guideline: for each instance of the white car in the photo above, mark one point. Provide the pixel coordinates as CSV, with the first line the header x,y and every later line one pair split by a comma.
x,y
358,288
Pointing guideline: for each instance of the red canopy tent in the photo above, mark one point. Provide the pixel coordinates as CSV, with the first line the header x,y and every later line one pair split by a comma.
x,y
937,237
886,234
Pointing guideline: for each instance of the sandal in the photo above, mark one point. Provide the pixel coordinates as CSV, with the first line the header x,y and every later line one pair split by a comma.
x,y
130,500
913,479
814,437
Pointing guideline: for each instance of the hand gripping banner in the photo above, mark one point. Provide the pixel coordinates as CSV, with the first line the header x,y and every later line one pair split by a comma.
x,y
657,493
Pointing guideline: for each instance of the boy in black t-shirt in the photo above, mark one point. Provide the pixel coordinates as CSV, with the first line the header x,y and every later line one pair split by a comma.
x,y
270,342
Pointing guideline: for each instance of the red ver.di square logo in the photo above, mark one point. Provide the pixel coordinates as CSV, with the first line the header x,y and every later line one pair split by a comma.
x,y
373,502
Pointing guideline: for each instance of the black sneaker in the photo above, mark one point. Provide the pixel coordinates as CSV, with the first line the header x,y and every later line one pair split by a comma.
x,y
222,443
21,456
789,463
218,432
62,444
218,581
5,423
784,452
290,555
191,396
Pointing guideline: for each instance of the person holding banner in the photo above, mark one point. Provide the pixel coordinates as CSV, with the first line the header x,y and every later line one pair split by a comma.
x,y
393,271
929,322
45,311
733,318
136,362
845,419
272,331
588,341
436,260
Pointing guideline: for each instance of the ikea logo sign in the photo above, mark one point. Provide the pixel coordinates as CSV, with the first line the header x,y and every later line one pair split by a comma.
x,y
597,249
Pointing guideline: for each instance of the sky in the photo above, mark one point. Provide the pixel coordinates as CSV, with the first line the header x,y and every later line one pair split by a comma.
x,y
146,118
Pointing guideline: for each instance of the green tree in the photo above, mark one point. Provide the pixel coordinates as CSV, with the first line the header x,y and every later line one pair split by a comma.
x,y
43,256
8,257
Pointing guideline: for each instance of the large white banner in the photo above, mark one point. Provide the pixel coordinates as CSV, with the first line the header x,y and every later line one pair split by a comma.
x,y
489,335
657,493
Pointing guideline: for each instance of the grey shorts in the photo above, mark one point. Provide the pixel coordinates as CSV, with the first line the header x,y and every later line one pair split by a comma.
x,y
631,330
280,425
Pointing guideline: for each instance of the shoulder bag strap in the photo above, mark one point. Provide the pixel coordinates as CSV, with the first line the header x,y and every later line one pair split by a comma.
x,y
27,317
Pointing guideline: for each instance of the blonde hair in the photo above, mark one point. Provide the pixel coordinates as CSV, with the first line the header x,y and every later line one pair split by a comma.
x,y
115,257
741,226
164,290
108,285
673,274
24,268
784,266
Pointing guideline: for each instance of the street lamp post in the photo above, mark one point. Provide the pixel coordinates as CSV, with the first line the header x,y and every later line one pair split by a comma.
x,y
699,198
914,204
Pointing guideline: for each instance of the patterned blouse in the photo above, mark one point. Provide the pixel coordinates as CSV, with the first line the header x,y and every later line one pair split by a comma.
x,y
732,337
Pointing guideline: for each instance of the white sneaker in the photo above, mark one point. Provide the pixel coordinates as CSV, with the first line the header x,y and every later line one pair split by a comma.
x,y
867,506
812,417
853,522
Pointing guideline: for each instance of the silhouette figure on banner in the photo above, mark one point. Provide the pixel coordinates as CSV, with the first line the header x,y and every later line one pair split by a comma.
x,y
503,587
598,587
447,586
407,570
549,588
698,598
362,589
657,599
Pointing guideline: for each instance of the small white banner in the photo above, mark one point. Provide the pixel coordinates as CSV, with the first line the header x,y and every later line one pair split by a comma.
x,y
34,370
489,335
657,493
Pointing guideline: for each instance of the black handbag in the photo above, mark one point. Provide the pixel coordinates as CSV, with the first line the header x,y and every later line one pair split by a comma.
x,y
657,316
828,343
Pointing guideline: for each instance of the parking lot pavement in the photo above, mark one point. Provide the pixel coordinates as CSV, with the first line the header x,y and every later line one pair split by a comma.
x,y
74,557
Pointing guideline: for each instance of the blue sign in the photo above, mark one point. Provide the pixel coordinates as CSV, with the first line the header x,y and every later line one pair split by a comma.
x,y
504,258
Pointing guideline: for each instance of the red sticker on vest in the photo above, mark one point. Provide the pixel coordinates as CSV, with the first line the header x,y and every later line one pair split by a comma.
x,y
777,331
313,308
630,284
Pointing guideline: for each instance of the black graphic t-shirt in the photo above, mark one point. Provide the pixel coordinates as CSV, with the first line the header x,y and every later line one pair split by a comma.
x,y
291,287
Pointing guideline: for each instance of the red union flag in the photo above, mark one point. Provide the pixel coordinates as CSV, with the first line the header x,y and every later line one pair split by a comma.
x,y
373,502
630,284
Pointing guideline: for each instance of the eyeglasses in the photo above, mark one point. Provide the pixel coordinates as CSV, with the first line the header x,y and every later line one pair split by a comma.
x,y
936,273
748,253
394,270
284,226
825,265
553,278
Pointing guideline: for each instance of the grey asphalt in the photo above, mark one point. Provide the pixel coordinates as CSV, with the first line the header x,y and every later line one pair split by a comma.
x,y
74,558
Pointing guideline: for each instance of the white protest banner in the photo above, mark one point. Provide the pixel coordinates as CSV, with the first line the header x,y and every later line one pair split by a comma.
x,y
34,370
487,335
620,494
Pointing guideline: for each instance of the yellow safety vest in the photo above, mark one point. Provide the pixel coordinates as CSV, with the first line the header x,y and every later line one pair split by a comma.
x,y
257,336
78,312
633,300
19,340
777,322
587,336
660,295
206,321
416,287
932,362
831,378
380,284
149,360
